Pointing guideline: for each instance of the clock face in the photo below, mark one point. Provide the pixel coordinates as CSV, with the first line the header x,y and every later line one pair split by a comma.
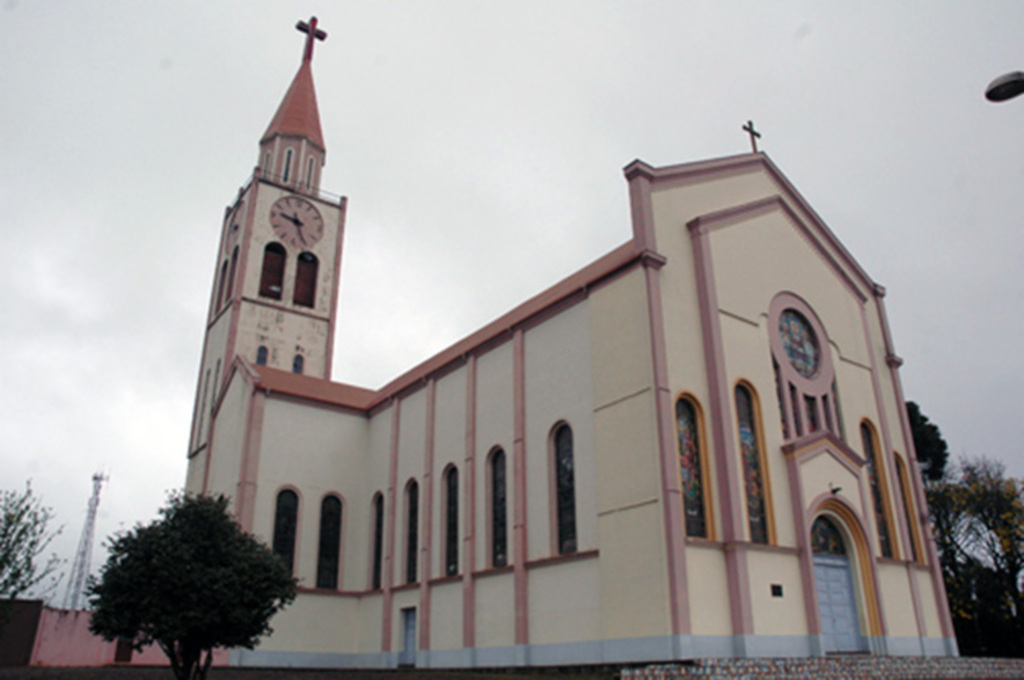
x,y
297,222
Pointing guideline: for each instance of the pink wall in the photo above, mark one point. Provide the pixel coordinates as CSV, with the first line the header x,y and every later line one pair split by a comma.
x,y
63,639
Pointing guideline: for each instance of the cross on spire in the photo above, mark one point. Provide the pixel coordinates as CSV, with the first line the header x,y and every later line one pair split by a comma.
x,y
312,33
754,135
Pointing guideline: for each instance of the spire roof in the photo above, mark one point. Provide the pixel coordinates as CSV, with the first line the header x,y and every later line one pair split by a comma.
x,y
298,114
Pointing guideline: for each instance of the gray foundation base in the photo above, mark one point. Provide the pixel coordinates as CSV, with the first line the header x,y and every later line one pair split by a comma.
x,y
618,651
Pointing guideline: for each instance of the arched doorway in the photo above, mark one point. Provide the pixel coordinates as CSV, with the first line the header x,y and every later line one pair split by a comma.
x,y
837,601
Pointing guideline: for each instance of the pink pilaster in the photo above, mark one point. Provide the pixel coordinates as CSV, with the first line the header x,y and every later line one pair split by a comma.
x,y
519,543
427,533
469,536
332,323
729,486
245,505
388,571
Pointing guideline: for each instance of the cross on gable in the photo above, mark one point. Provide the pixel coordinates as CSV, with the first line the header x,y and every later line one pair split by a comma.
x,y
754,134
312,33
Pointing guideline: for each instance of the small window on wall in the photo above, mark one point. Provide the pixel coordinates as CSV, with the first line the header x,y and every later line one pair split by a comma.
x,y
691,468
412,533
220,286
286,515
297,364
261,355
565,490
877,481
754,482
378,541
287,165
231,273
305,280
329,550
451,522
309,172
272,277
499,524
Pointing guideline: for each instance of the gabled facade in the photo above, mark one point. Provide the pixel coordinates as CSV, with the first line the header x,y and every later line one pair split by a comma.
x,y
695,446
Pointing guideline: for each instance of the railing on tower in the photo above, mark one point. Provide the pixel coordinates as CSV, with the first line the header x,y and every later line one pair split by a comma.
x,y
300,188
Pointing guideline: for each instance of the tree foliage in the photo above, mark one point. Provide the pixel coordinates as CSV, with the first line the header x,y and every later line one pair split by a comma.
x,y
978,523
25,535
190,581
932,450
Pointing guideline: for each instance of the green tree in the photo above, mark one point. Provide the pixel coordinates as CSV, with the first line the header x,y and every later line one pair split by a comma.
x,y
190,581
932,450
978,524
24,536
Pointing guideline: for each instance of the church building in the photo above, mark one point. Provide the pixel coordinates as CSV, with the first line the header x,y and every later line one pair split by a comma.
x,y
695,446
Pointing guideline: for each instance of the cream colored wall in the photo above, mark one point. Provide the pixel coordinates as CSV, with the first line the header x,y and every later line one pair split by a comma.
x,y
213,350
776,615
558,388
317,623
929,610
708,590
317,451
495,611
563,605
446,616
228,440
359,556
823,472
495,411
284,336
633,573
411,447
449,449
897,604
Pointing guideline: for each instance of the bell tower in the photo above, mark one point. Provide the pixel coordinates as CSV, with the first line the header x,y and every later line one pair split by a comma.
x,y
276,278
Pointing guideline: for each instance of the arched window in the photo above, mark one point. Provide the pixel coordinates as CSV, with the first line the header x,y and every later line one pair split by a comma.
x,y
876,479
286,516
231,274
499,525
220,286
908,508
329,550
753,465
412,536
287,165
202,407
451,521
261,355
297,364
826,538
305,280
213,398
692,468
309,172
272,277
378,540
565,490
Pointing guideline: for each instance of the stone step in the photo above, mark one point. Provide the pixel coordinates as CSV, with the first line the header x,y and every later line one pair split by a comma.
x,y
845,667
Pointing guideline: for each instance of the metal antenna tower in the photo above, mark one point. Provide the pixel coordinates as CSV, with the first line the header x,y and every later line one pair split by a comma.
x,y
83,557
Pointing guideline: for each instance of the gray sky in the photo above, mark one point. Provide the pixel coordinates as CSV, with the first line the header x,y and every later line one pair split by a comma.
x,y
481,146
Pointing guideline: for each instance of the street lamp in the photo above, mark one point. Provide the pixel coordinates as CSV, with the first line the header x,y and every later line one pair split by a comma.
x,y
1005,87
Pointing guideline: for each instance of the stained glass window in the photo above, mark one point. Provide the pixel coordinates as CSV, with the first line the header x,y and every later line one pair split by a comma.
x,y
825,537
329,549
753,476
451,524
690,468
907,507
499,531
412,538
811,404
286,516
799,341
868,439
565,490
378,538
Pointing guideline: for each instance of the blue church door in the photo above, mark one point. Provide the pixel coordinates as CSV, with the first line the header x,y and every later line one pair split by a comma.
x,y
837,602
407,657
